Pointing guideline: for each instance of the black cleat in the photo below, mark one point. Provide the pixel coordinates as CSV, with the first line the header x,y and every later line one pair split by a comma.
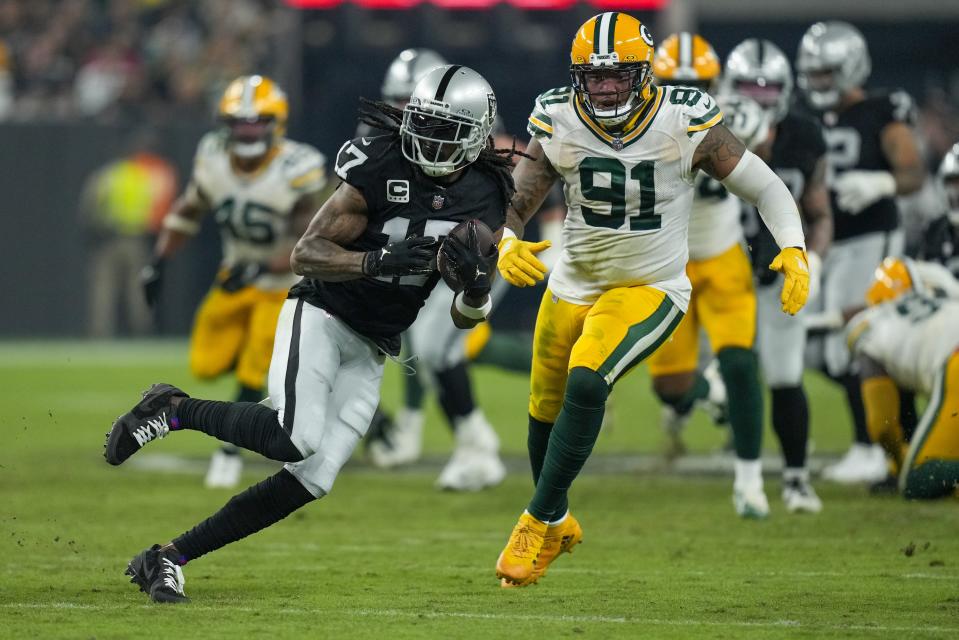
x,y
158,575
147,421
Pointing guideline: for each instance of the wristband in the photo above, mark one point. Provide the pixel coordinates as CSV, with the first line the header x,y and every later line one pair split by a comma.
x,y
473,313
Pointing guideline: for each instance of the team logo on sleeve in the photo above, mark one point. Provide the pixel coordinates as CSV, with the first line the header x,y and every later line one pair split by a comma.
x,y
397,190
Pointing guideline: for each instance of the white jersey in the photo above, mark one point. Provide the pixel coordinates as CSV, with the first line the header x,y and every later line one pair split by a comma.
x,y
911,337
715,223
628,198
253,211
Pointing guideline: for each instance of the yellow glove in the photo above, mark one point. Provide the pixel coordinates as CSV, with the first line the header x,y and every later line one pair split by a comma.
x,y
518,263
792,263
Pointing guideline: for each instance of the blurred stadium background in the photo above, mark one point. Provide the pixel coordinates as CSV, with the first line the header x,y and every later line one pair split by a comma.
x,y
79,79
126,84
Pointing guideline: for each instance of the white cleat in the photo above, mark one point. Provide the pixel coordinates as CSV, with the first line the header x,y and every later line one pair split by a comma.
x,y
401,443
750,503
470,470
224,470
716,404
673,424
800,497
475,463
861,464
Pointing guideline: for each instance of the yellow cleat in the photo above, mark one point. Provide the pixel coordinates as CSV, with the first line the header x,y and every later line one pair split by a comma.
x,y
517,562
559,539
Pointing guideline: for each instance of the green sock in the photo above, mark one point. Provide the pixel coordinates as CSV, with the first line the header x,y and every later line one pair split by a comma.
x,y
684,404
509,351
740,371
570,442
932,479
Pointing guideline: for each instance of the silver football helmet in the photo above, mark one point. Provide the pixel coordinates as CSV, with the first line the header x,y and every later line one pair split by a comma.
x,y
746,118
949,182
448,120
405,70
760,70
833,59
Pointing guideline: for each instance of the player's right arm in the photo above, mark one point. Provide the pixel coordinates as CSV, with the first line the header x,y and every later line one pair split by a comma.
x,y
533,177
179,225
322,254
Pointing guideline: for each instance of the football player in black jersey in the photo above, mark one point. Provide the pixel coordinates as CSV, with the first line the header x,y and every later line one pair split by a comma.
x,y
874,156
794,148
941,238
368,260
438,348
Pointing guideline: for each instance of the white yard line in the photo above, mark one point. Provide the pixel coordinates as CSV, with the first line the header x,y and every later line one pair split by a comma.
x,y
396,613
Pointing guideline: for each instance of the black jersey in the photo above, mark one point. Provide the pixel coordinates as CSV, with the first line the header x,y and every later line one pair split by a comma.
x,y
940,243
854,140
402,203
797,148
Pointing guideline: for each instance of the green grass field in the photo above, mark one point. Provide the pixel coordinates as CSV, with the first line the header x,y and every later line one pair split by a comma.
x,y
387,556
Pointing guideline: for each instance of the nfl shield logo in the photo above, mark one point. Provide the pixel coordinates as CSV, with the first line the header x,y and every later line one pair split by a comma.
x,y
438,202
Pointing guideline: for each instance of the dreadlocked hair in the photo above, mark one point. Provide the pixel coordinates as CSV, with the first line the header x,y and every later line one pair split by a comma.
x,y
496,163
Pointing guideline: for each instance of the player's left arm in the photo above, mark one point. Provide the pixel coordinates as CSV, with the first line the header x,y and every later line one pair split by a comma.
x,y
817,213
899,145
858,189
721,155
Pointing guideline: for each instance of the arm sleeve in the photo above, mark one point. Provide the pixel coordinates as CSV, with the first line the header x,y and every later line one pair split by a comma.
x,y
307,172
758,185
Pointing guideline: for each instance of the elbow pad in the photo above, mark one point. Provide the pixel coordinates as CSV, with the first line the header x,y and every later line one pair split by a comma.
x,y
753,181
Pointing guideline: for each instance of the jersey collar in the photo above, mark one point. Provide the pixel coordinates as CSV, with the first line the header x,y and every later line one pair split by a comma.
x,y
633,130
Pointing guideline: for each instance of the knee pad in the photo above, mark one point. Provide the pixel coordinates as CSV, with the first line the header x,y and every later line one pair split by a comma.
x,y
585,388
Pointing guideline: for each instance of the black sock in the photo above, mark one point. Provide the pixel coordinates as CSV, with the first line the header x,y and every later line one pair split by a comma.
x,y
456,394
791,424
857,410
249,394
246,424
256,508
908,417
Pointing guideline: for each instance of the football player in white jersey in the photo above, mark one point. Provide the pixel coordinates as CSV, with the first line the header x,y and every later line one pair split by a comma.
x,y
627,153
909,339
263,189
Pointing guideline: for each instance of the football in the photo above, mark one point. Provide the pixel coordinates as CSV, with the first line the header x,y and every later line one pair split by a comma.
x,y
485,242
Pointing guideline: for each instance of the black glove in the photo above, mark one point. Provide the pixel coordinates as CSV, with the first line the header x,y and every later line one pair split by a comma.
x,y
151,278
403,258
241,275
472,268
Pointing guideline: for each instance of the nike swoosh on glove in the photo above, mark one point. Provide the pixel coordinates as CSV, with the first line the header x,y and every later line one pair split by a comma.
x,y
856,190
518,263
792,263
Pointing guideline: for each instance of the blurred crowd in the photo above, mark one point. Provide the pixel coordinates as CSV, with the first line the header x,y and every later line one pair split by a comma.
x,y
126,60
